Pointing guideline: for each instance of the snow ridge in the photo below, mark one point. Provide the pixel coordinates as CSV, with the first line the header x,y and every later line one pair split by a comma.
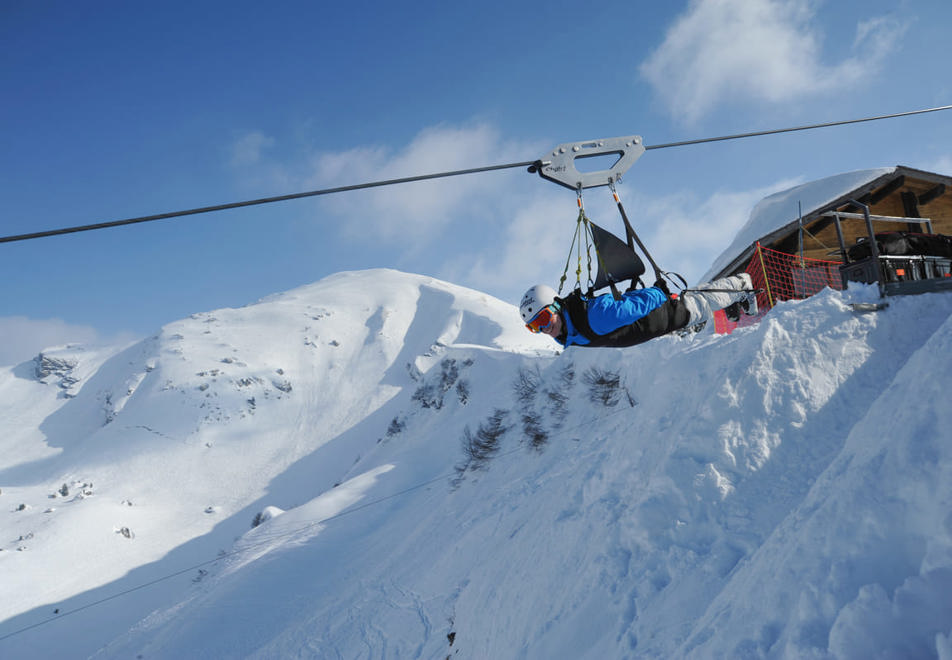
x,y
434,481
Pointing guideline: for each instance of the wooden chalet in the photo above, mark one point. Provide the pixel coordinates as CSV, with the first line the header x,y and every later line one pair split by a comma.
x,y
899,199
798,242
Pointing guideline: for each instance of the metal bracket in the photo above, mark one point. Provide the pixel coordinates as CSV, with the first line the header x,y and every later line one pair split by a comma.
x,y
561,167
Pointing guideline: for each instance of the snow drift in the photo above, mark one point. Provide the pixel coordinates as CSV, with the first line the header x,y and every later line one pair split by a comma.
x,y
426,479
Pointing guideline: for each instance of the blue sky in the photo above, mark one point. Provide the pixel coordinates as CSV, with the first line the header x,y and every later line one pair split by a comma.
x,y
116,109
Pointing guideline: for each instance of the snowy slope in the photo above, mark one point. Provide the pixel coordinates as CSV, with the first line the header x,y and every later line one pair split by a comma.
x,y
122,460
780,492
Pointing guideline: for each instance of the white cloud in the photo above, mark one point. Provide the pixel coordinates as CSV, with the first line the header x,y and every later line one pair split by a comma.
x,y
406,215
686,235
247,149
24,338
254,160
758,50
450,226
532,250
412,211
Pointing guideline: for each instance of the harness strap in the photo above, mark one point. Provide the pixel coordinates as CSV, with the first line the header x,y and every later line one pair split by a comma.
x,y
633,238
582,227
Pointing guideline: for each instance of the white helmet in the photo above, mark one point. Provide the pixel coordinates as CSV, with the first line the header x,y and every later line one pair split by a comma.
x,y
535,299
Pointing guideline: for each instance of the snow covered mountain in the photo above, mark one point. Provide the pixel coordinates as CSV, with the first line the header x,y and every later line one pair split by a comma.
x,y
383,465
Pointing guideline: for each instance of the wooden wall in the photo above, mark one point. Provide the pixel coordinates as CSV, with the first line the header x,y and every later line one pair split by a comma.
x,y
887,200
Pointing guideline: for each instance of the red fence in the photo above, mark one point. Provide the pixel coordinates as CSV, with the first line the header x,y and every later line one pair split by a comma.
x,y
782,276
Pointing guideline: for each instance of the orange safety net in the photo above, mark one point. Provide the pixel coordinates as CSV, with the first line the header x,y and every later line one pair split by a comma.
x,y
782,276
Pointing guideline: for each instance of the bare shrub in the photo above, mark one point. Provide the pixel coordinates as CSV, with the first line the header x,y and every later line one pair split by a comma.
x,y
558,397
526,386
462,391
606,388
481,446
430,393
533,430
396,426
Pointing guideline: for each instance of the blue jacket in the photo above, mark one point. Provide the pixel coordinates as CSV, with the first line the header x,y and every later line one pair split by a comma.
x,y
605,314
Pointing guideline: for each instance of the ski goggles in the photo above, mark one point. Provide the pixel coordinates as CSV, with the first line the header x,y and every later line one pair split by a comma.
x,y
541,321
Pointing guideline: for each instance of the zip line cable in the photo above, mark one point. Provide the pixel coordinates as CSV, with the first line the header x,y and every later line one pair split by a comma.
x,y
796,128
254,202
278,537
426,177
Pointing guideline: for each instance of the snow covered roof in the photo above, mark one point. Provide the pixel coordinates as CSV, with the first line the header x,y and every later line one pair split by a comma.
x,y
780,212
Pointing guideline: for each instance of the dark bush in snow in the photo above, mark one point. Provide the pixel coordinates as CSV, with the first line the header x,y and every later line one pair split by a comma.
x,y
265,515
481,446
526,385
606,388
430,394
533,430
396,426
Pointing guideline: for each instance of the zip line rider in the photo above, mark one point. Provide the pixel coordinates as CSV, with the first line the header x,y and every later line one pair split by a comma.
x,y
638,316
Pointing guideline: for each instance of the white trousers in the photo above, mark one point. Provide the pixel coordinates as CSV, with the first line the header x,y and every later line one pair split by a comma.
x,y
702,304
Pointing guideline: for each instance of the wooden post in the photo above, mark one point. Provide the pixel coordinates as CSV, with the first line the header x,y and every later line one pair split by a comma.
x,y
763,267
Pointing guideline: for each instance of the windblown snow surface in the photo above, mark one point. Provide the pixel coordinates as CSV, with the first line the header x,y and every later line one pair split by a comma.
x,y
428,480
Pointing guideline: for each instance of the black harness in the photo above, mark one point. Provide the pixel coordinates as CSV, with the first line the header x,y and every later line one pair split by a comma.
x,y
670,316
